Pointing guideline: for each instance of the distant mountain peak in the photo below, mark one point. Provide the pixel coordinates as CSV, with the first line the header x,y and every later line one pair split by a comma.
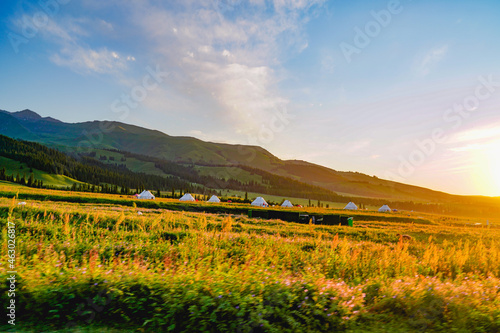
x,y
29,115
26,114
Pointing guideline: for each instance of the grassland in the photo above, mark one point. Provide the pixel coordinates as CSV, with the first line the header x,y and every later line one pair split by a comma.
x,y
101,266
14,167
295,201
130,163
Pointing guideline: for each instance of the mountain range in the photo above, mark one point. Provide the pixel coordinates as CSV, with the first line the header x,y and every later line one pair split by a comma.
x,y
225,159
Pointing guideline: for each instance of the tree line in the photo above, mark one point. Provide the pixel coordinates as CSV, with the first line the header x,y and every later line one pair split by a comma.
x,y
116,178
104,177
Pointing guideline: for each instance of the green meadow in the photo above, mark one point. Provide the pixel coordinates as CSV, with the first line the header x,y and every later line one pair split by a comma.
x,y
14,167
113,267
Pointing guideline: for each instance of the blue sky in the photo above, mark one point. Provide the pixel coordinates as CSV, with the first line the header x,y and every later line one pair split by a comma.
x,y
352,85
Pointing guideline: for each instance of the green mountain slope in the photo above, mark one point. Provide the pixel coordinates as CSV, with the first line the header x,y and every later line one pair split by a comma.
x,y
133,139
90,136
357,183
13,167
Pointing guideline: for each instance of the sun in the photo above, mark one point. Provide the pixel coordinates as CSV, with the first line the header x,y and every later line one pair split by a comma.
x,y
495,174
485,168
493,167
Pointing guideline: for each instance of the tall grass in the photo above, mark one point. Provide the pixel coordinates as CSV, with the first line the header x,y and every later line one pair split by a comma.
x,y
184,271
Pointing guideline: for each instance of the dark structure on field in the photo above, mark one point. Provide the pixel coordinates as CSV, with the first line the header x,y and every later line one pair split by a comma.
x,y
322,219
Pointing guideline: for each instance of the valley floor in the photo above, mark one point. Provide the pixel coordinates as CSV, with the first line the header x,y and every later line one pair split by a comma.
x,y
103,267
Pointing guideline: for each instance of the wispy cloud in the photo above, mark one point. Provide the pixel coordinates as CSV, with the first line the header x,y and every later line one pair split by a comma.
x,y
479,134
232,56
226,56
87,60
470,147
424,64
68,35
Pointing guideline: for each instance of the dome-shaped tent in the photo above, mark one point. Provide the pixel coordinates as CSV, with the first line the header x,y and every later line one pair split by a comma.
x,y
146,195
351,206
286,203
260,202
187,197
214,198
384,209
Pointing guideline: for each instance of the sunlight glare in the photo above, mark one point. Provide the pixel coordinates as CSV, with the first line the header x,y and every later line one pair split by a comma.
x,y
493,167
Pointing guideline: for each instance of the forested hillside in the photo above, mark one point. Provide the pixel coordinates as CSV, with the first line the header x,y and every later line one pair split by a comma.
x,y
116,178
85,169
88,169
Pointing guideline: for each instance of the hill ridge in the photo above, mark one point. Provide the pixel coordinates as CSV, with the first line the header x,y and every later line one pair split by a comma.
x,y
194,151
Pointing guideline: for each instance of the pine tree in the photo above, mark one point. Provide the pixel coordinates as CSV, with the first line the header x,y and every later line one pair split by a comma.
x,y
31,180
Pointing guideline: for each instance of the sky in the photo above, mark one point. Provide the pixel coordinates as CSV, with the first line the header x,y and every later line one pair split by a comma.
x,y
403,90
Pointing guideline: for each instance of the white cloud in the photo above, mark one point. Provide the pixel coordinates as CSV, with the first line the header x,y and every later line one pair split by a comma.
x,y
105,25
68,35
86,60
231,55
224,56
479,134
470,147
424,64
295,4
476,140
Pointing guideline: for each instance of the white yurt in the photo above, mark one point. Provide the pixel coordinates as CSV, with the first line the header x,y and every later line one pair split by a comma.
x,y
384,209
214,198
286,203
146,195
351,206
260,202
187,197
